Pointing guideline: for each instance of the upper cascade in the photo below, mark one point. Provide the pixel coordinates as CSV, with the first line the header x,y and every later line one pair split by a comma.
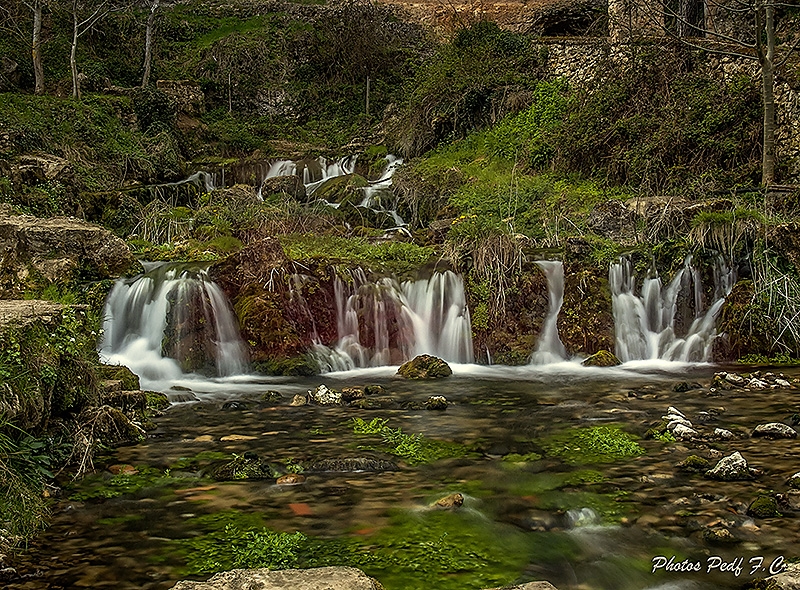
x,y
387,322
549,348
172,319
648,325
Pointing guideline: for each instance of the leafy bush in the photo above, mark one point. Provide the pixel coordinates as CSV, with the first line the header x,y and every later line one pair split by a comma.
x,y
155,110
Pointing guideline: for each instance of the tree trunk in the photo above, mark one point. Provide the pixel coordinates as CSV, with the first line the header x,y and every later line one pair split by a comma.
x,y
36,48
148,44
73,61
768,92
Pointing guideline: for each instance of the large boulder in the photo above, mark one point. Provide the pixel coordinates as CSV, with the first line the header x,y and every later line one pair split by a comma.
x,y
424,366
602,358
731,468
59,249
322,578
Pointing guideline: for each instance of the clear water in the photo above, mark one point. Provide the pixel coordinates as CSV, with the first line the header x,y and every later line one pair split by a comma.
x,y
527,522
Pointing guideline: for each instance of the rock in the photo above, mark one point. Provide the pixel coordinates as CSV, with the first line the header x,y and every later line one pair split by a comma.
x,y
290,479
730,468
529,586
59,248
673,411
352,465
129,380
694,463
241,467
719,535
783,383
602,358
451,501
123,469
734,379
299,400
774,430
374,390
323,578
757,384
794,481
672,424
790,500
436,402
341,189
684,386
288,185
424,367
271,396
350,394
722,434
789,579
684,432
234,405
764,507
324,396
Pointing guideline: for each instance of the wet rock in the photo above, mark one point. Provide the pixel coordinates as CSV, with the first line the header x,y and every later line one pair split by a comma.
x,y
290,479
764,507
299,400
719,535
794,481
789,579
352,465
529,586
324,396
757,384
241,467
239,406
676,421
602,358
374,390
127,378
656,430
436,402
425,366
271,396
774,430
789,501
350,394
694,463
684,432
327,578
730,468
375,403
673,411
123,469
684,386
722,434
156,400
448,502
783,383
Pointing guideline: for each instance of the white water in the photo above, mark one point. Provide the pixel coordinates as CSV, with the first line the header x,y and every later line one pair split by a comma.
x,y
138,311
645,324
549,348
384,322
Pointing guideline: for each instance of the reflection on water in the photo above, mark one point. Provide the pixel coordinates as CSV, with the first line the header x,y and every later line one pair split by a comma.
x,y
579,526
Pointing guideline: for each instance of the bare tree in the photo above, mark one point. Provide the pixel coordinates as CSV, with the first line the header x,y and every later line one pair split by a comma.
x,y
85,15
742,29
12,17
148,43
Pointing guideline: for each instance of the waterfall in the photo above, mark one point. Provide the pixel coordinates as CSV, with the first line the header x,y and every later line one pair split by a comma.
x,y
387,322
550,349
171,318
647,326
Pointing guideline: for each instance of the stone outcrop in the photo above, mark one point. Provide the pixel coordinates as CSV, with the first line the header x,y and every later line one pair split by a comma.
x,y
323,578
59,249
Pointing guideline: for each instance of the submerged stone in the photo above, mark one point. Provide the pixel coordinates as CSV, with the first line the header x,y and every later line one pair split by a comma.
x,y
764,507
352,465
719,536
602,358
290,479
694,463
374,390
425,366
436,402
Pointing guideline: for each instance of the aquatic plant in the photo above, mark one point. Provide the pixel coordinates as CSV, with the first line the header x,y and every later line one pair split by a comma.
x,y
414,448
598,444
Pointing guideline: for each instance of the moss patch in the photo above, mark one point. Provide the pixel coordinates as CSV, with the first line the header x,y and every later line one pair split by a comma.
x,y
598,444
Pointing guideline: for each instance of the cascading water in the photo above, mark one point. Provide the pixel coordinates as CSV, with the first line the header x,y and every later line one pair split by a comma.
x,y
171,318
645,324
550,349
385,322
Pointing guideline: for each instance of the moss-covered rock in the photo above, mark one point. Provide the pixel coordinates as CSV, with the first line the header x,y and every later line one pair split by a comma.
x,y
130,381
694,464
242,467
764,507
602,358
156,400
424,366
341,188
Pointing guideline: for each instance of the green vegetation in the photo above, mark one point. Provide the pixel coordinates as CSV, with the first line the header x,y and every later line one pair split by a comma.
x,y
597,444
415,449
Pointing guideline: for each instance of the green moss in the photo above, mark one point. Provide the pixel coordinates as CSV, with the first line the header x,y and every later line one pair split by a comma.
x,y
598,444
415,449
602,358
694,463
156,400
765,506
517,458
103,486
130,381
299,366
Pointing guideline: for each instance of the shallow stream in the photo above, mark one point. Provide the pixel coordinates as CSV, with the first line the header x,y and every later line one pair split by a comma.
x,y
575,522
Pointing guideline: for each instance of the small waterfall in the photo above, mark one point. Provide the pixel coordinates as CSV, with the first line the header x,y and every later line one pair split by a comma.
x,y
550,349
385,322
645,325
171,318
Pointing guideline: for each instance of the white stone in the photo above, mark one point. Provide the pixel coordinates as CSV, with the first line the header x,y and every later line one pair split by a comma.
x,y
723,434
684,432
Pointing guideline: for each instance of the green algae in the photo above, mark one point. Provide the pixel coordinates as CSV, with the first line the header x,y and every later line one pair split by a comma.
x,y
597,444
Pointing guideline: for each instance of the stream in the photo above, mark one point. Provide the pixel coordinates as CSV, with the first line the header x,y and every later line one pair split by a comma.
x,y
531,510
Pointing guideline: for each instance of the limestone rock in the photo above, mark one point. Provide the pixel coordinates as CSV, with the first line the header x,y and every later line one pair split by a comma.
x,y
684,432
324,396
350,394
602,358
763,507
299,400
529,586
788,580
352,465
722,434
774,430
323,578
452,501
425,367
794,481
730,468
290,479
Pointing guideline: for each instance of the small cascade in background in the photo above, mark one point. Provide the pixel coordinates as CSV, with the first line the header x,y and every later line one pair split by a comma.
x,y
549,348
653,324
170,320
385,322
